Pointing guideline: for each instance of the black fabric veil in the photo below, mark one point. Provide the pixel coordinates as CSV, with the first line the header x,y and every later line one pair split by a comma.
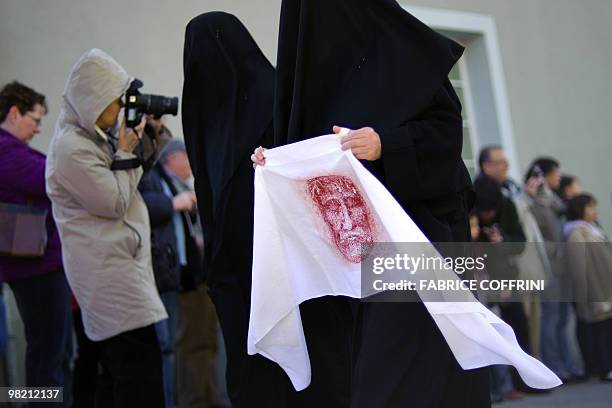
x,y
357,63
227,106
354,63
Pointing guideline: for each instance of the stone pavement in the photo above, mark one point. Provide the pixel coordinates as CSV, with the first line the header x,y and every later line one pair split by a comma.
x,y
592,394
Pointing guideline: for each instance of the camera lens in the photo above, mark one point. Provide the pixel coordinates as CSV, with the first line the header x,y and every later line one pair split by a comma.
x,y
157,105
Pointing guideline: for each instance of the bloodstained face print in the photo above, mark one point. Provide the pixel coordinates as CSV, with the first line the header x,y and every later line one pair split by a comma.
x,y
345,213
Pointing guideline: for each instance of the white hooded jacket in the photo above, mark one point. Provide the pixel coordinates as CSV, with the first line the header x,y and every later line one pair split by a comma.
x,y
102,220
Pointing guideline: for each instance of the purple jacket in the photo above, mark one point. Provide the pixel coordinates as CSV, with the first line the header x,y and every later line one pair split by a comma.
x,y
22,180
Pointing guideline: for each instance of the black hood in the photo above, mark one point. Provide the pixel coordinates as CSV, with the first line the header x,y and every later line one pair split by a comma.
x,y
354,63
227,106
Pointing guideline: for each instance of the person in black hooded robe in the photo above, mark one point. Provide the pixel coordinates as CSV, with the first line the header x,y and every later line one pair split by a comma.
x,y
370,66
227,111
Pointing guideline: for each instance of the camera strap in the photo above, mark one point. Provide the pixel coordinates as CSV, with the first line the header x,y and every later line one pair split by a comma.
x,y
126,164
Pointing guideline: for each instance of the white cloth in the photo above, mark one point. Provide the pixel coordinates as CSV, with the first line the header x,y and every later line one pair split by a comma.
x,y
295,260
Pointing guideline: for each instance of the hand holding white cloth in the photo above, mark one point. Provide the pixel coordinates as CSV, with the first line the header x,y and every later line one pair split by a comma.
x,y
295,259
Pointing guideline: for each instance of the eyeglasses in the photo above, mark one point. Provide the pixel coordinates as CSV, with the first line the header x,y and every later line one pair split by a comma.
x,y
36,120
502,162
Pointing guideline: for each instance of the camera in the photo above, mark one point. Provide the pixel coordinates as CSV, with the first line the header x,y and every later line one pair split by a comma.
x,y
138,104
537,171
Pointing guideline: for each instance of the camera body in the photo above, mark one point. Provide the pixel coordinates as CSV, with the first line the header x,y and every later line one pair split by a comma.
x,y
537,171
138,104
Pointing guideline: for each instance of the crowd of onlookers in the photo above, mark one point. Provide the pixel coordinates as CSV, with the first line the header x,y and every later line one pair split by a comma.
x,y
80,351
569,324
60,348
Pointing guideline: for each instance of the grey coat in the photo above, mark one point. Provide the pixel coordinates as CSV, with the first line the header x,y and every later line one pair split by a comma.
x,y
589,255
101,217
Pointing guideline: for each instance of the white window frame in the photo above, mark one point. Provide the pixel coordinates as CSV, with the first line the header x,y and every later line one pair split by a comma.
x,y
468,113
479,61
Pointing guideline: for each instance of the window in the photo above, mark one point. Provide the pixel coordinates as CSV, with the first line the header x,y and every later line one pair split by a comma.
x,y
479,81
460,83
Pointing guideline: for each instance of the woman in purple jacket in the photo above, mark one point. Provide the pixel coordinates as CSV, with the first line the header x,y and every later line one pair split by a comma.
x,y
38,284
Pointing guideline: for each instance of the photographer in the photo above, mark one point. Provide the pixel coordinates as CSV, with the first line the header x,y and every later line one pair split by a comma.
x,y
92,180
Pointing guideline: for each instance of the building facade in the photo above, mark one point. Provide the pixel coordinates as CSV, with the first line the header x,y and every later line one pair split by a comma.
x,y
535,76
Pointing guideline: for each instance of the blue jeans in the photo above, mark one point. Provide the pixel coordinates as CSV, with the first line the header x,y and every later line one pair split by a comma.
x,y
166,334
44,306
559,347
501,381
3,327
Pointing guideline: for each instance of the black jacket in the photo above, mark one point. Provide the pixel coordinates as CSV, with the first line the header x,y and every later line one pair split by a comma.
x,y
226,112
164,253
502,258
382,68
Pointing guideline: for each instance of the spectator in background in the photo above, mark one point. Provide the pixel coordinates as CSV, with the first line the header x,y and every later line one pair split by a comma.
x,y
559,348
38,284
494,165
569,187
92,180
488,208
221,128
533,263
197,346
168,251
590,258
3,340
542,180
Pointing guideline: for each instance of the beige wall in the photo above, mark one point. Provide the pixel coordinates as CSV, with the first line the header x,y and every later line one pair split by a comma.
x,y
42,39
558,65
556,57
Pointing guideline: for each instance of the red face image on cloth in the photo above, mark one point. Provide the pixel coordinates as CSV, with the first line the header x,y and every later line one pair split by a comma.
x,y
345,213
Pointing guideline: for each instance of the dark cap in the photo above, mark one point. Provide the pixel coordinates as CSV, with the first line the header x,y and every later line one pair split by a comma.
x,y
172,147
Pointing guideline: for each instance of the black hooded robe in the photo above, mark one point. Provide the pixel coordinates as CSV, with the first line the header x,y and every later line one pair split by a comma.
x,y
358,63
227,112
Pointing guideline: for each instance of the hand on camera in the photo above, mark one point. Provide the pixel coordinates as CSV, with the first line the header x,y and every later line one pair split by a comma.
x,y
533,185
128,139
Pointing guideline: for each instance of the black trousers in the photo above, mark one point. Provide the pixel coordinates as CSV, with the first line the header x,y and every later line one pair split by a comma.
x,y
86,366
513,313
401,357
328,324
252,381
595,340
404,361
132,370
43,302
